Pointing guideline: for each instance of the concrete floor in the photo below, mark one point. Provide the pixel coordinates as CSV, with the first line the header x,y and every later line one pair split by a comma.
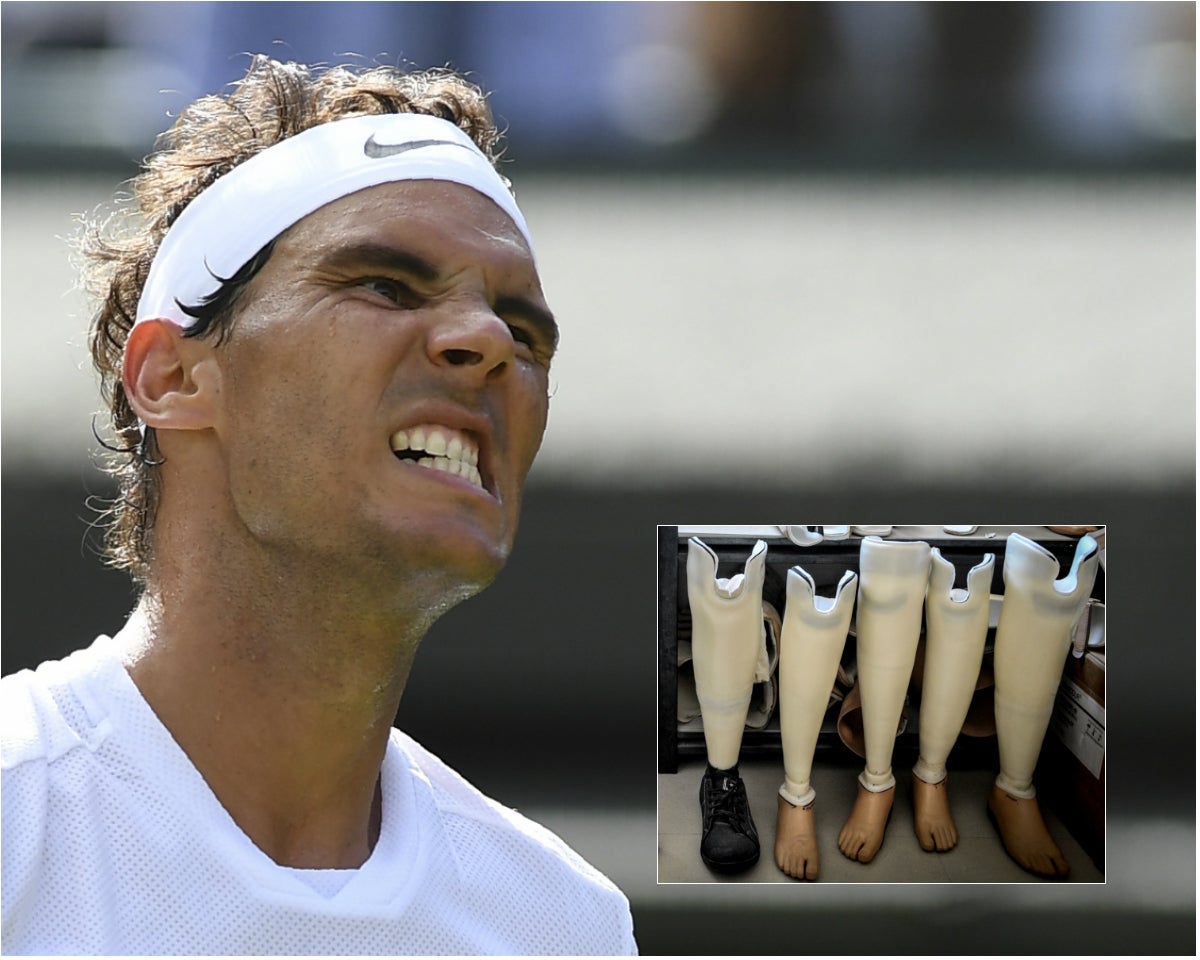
x,y
978,858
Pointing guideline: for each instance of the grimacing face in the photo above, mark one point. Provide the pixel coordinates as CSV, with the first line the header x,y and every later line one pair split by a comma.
x,y
384,389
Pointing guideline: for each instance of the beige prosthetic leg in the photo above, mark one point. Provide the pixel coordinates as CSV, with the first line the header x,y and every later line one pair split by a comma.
x,y
728,648
814,633
1032,639
727,642
893,576
956,623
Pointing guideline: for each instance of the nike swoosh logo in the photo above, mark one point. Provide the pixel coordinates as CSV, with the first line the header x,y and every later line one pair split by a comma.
x,y
377,150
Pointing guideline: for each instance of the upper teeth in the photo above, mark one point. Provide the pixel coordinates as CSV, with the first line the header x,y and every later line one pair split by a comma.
x,y
449,450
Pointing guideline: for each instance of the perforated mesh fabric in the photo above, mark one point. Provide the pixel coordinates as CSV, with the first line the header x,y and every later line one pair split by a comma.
x,y
113,844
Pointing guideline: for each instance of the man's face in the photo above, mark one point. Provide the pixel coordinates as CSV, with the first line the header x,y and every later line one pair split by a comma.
x,y
407,315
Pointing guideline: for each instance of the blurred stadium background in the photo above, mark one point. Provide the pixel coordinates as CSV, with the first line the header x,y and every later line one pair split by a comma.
x,y
901,262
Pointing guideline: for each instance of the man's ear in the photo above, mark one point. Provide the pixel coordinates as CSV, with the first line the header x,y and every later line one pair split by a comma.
x,y
171,382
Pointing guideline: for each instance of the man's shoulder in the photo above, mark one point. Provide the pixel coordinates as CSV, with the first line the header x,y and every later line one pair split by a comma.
x,y
455,796
514,867
42,728
41,715
459,800
32,727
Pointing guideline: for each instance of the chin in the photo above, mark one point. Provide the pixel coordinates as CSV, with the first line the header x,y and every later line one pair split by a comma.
x,y
474,570
464,556
436,583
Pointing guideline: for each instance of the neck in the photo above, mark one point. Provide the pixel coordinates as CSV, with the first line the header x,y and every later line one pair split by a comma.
x,y
282,698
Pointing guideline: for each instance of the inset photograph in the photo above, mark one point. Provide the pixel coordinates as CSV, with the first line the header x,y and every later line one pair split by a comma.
x,y
881,703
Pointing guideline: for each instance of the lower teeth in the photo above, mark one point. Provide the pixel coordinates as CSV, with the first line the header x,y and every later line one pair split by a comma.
x,y
442,465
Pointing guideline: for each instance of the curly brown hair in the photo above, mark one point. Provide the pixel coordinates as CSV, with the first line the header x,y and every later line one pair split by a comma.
x,y
274,100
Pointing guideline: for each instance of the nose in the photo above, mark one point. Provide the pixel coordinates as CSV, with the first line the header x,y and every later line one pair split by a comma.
x,y
472,340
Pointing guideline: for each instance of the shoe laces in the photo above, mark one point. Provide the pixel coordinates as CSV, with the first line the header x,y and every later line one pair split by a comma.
x,y
727,801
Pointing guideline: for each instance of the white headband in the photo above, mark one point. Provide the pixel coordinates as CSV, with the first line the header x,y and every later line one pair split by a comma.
x,y
230,221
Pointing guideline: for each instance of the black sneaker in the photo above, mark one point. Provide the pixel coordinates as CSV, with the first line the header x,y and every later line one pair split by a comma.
x,y
729,842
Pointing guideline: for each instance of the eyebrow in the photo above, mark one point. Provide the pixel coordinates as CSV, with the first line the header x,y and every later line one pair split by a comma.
x,y
383,257
394,259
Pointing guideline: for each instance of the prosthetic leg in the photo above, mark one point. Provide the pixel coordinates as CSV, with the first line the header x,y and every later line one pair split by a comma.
x,y
956,623
728,646
814,633
1032,639
893,576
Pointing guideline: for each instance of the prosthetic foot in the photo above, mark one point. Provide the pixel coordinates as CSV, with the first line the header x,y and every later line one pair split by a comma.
x,y
932,821
1026,837
893,576
796,840
728,649
956,628
862,834
1032,640
814,633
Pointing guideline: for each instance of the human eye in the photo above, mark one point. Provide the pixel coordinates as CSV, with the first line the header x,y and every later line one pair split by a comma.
x,y
529,345
398,292
521,336
532,328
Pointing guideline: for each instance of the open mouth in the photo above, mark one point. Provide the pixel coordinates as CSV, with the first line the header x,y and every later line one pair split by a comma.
x,y
441,448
